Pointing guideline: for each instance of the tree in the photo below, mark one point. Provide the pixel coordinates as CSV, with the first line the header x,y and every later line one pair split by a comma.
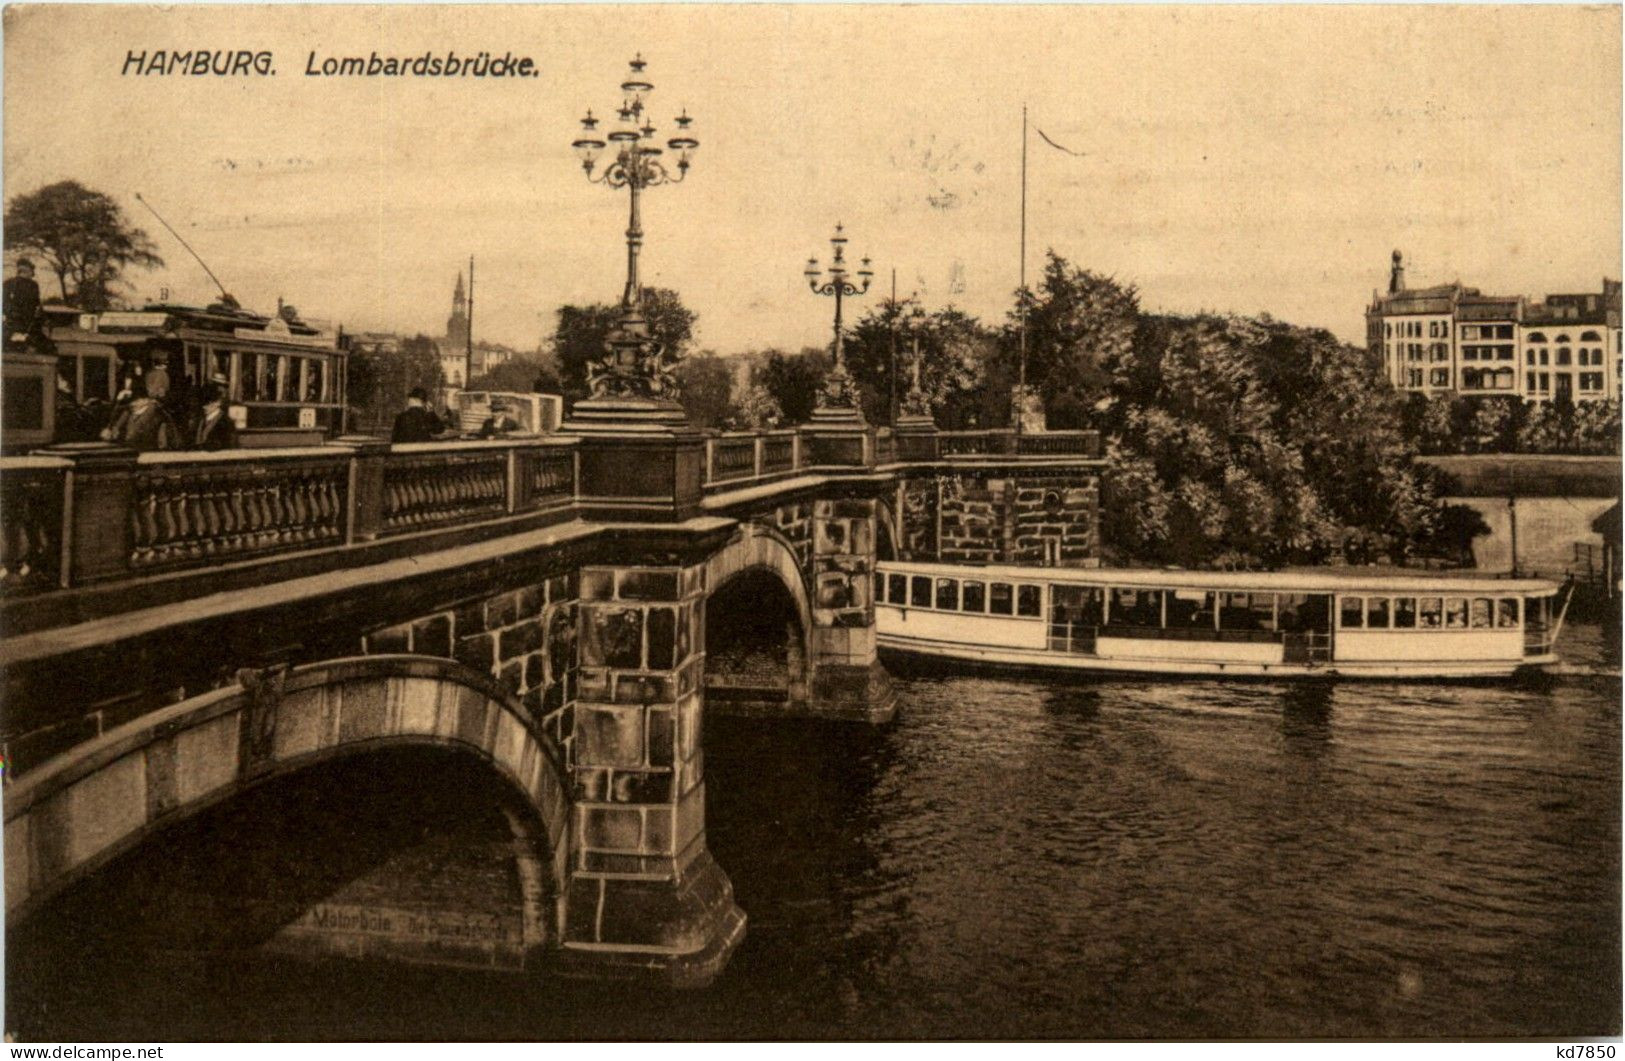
x,y
955,354
1080,328
706,392
379,382
579,337
793,381
82,236
519,375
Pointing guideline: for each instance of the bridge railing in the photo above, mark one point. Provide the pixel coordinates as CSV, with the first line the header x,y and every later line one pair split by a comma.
x,y
733,459
89,513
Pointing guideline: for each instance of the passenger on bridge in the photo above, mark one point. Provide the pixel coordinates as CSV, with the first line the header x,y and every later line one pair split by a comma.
x,y
499,423
215,429
144,424
24,321
417,422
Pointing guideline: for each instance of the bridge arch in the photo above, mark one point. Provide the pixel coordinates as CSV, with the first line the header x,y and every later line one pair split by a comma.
x,y
753,584
107,796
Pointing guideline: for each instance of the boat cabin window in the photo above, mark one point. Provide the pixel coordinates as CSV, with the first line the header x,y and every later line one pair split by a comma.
x,y
1455,613
1190,609
1029,600
1001,599
1404,613
975,596
1247,611
1352,614
920,591
1376,613
1506,613
948,594
897,589
1136,607
1482,613
1431,609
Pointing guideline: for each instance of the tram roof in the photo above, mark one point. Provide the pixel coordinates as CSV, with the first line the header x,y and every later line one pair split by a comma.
x,y
1390,580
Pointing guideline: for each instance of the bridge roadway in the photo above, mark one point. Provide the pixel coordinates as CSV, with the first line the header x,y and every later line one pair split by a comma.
x,y
184,628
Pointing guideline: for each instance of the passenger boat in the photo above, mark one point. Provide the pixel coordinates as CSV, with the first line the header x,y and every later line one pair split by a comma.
x,y
1342,622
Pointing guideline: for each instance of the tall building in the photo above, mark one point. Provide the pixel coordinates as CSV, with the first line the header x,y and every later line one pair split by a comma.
x,y
454,344
455,361
1455,340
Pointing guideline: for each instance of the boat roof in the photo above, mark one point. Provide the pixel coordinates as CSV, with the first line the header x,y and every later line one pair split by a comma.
x,y
1391,580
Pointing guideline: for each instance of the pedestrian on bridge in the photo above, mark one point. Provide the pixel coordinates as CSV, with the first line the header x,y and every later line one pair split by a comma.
x,y
417,422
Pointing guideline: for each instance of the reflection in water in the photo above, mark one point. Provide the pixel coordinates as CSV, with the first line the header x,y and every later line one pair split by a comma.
x,y
1117,859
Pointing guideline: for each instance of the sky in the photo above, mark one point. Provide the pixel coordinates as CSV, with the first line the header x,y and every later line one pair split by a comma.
x,y
1233,159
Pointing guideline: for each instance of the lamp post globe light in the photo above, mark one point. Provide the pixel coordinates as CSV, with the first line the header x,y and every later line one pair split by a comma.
x,y
634,379
837,402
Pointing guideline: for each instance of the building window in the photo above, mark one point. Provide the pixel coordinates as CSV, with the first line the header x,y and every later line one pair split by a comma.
x,y
1440,378
1563,355
1591,382
1537,337
1590,337
1416,377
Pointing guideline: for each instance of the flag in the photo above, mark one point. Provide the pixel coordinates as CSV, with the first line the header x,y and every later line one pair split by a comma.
x,y
1053,144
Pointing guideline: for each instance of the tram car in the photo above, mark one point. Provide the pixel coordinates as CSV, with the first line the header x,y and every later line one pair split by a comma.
x,y
284,378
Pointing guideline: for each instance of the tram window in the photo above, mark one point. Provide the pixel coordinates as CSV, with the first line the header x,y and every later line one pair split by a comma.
x,y
1404,613
1029,600
1455,613
948,594
250,378
1190,609
1432,612
316,383
197,363
880,588
1000,599
1483,613
98,378
897,589
1506,612
1376,613
289,377
920,591
222,365
975,596
1352,615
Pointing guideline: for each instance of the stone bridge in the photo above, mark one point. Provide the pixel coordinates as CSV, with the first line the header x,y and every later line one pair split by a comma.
x,y
186,630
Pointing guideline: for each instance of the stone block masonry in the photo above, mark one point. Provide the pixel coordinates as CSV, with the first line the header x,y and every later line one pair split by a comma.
x,y
525,639
992,518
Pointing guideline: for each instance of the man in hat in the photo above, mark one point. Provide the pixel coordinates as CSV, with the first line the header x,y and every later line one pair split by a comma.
x,y
500,422
215,427
21,309
417,422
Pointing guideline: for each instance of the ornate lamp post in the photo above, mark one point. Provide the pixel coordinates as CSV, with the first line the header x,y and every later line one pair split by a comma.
x,y
634,379
916,406
837,402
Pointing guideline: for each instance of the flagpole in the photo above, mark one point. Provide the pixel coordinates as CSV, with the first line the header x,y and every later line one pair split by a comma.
x,y
893,407
1022,292
468,355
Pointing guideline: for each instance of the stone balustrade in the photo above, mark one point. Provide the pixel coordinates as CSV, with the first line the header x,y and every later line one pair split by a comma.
x,y
91,513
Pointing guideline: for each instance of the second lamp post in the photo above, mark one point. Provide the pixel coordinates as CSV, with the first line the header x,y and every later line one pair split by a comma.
x,y
838,400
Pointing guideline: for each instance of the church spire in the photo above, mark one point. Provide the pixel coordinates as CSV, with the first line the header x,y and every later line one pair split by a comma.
x,y
459,300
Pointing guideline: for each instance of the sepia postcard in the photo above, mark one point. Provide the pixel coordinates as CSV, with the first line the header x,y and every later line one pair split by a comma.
x,y
860,522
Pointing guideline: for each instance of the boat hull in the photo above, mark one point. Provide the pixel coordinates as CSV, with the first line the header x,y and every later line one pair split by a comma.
x,y
912,650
